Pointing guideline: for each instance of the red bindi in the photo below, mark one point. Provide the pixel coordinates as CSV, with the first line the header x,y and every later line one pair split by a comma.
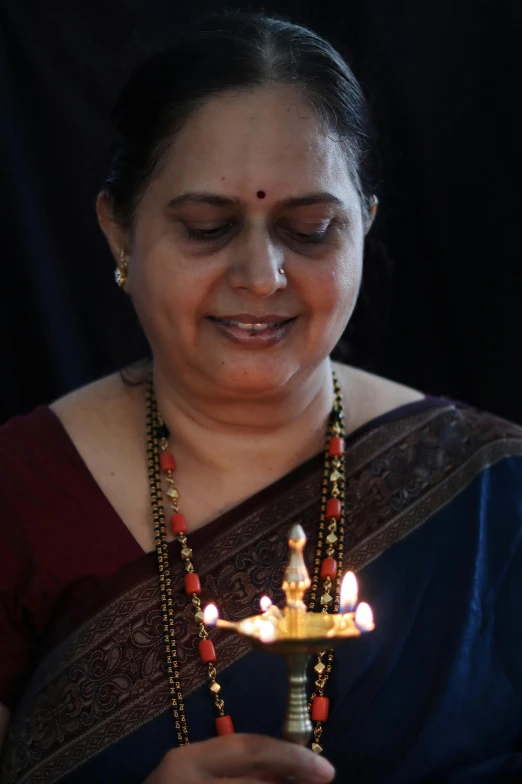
x,y
260,194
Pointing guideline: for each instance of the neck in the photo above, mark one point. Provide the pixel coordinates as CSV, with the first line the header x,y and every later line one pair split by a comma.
x,y
229,434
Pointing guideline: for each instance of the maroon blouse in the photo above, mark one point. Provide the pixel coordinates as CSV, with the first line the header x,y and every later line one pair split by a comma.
x,y
58,535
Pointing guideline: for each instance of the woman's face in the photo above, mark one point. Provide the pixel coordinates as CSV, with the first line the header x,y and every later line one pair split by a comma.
x,y
253,183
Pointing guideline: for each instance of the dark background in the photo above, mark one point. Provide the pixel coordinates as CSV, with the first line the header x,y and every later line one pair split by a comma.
x,y
445,84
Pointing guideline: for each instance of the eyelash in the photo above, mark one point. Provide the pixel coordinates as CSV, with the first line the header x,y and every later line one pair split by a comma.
x,y
206,235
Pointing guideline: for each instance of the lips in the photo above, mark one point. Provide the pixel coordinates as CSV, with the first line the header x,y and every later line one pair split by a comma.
x,y
254,331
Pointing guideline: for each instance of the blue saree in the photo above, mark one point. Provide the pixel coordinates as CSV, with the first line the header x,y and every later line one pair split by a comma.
x,y
434,694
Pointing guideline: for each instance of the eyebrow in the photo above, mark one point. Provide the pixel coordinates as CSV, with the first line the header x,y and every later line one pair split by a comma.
x,y
196,197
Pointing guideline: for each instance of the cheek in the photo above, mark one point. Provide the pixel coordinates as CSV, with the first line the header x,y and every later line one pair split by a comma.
x,y
157,279
334,285
167,293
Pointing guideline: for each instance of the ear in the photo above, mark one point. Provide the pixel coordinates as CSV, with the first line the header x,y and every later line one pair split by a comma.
x,y
115,234
373,213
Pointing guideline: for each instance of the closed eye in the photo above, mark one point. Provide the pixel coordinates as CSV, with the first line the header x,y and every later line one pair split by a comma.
x,y
207,235
316,237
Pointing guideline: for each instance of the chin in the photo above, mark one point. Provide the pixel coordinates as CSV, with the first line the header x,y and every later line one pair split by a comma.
x,y
256,376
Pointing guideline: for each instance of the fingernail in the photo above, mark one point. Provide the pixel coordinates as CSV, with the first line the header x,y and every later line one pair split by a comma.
x,y
325,770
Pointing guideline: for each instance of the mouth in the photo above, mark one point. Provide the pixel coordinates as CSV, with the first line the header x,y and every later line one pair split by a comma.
x,y
253,330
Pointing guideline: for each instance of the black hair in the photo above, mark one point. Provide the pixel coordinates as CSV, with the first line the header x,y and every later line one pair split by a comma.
x,y
230,52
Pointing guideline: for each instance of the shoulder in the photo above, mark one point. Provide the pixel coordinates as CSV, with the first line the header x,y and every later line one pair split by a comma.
x,y
45,484
371,396
34,451
105,422
104,405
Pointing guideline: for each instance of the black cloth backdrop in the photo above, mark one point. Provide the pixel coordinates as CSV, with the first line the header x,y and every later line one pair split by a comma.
x,y
444,80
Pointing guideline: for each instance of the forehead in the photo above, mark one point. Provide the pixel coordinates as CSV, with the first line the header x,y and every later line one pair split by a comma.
x,y
268,139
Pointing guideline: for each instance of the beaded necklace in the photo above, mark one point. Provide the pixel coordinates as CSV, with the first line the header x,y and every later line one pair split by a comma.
x,y
327,571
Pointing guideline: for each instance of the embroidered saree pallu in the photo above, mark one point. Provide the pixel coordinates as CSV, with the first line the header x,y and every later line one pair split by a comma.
x,y
433,527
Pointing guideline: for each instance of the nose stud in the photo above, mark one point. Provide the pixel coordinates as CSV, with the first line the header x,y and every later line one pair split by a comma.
x,y
281,271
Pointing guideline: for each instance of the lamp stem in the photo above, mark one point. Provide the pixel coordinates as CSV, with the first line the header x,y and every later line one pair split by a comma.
x,y
297,727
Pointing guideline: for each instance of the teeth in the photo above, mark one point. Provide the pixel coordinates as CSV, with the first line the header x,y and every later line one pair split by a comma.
x,y
251,327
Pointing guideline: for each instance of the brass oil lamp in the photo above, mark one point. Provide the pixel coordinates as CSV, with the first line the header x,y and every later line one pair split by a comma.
x,y
295,633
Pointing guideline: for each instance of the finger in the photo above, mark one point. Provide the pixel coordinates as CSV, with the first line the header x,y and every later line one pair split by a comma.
x,y
247,755
264,777
268,779
221,780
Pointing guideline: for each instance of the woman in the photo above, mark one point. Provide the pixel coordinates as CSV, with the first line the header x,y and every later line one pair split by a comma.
x,y
237,203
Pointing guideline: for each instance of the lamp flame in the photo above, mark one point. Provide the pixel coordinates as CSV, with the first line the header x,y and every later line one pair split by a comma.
x,y
364,617
265,603
210,615
267,632
349,593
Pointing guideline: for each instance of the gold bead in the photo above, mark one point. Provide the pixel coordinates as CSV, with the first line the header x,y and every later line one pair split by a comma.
x,y
172,492
335,476
215,687
320,668
317,748
331,538
326,598
199,616
186,552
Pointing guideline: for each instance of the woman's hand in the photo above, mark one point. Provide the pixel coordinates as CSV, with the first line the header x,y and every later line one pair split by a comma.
x,y
242,759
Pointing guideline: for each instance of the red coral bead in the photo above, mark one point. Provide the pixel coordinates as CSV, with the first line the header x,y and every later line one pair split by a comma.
x,y
336,448
320,707
167,462
207,651
224,725
329,568
178,523
192,584
333,508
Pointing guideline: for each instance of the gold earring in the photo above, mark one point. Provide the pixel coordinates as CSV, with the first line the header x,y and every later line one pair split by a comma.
x,y
120,273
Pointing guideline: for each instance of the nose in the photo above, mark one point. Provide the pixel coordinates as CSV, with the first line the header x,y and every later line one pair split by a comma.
x,y
256,262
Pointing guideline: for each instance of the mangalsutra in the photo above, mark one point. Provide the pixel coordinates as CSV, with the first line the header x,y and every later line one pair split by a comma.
x,y
326,579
